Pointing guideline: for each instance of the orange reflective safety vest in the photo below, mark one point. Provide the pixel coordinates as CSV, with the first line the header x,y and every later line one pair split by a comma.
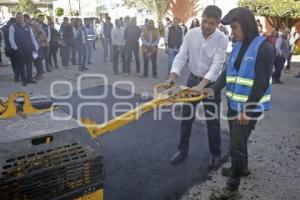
x,y
147,38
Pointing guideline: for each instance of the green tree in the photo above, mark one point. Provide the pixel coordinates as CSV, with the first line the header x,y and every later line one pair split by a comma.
x,y
26,6
59,12
281,13
157,7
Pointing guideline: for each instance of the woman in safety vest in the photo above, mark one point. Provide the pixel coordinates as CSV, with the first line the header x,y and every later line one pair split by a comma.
x,y
248,90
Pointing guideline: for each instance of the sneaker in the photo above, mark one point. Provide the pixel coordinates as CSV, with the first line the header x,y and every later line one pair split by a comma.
x,y
38,77
225,194
178,157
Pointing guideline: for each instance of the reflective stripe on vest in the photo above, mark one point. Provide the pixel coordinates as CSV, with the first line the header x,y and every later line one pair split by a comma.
x,y
239,82
244,98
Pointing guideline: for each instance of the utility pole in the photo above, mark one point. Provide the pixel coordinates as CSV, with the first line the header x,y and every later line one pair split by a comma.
x,y
79,7
70,7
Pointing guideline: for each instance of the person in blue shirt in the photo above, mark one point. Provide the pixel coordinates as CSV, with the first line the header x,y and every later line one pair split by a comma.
x,y
91,36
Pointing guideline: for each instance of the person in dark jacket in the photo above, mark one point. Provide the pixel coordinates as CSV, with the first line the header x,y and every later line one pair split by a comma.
x,y
8,49
46,48
173,40
67,43
23,43
107,27
248,92
54,45
40,37
132,35
282,53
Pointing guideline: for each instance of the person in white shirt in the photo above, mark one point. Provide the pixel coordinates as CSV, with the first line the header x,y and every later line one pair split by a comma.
x,y
204,48
118,42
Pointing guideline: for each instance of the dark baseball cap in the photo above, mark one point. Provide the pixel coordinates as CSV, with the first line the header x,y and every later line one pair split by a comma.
x,y
235,14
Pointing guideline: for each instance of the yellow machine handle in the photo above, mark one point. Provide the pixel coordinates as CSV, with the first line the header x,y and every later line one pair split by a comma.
x,y
166,97
8,109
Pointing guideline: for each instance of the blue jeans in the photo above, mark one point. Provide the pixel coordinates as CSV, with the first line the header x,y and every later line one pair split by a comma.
x,y
90,50
171,55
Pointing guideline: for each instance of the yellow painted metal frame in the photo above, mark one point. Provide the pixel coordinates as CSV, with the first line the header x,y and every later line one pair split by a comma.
x,y
9,110
169,96
98,195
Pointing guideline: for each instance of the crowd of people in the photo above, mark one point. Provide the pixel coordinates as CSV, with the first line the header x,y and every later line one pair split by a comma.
x,y
75,40
202,48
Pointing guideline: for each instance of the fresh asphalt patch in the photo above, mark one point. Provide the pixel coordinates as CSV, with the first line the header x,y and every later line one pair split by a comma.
x,y
137,155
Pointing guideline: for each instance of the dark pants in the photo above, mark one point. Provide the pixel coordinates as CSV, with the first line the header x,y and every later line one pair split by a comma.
x,y
279,64
239,135
213,125
65,55
153,58
38,62
23,60
81,49
46,53
116,52
53,55
107,44
74,50
9,54
289,60
136,50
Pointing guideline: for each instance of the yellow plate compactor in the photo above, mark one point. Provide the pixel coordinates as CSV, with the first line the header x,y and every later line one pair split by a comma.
x,y
43,157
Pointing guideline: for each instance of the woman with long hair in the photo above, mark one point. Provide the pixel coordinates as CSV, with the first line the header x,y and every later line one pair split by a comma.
x,y
54,45
248,90
195,23
80,41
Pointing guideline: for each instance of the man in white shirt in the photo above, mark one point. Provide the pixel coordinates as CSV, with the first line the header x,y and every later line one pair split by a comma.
x,y
118,42
204,49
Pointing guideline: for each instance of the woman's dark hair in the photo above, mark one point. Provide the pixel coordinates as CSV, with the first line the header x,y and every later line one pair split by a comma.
x,y
197,23
76,22
212,11
246,19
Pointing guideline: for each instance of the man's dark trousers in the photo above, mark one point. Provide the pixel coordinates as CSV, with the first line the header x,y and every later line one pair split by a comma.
x,y
212,110
23,58
153,58
135,49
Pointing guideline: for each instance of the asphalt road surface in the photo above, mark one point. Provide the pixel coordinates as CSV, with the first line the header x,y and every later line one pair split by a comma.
x,y
137,155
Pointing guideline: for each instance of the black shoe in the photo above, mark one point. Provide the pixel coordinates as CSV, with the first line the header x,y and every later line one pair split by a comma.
x,y
85,68
90,63
225,194
24,83
31,81
49,70
279,82
215,162
16,80
226,171
178,157
38,77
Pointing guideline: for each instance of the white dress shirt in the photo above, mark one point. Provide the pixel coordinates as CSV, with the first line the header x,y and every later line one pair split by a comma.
x,y
118,36
205,57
